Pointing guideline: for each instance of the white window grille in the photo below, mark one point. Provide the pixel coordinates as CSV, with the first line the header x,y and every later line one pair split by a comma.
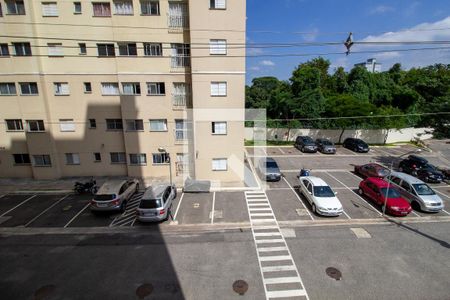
x,y
66,125
61,88
158,125
49,9
219,164
72,159
55,49
123,7
218,47
219,127
110,88
218,88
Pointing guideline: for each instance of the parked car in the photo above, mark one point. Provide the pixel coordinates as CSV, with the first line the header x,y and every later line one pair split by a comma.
x,y
113,195
419,167
156,203
305,144
372,170
418,193
380,191
325,146
320,195
356,145
269,170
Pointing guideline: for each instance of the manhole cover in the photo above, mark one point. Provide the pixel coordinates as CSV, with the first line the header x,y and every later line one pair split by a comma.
x,y
44,291
240,287
144,290
334,273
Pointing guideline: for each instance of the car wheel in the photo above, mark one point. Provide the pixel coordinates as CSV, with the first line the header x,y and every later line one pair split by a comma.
x,y
361,192
415,205
314,208
303,149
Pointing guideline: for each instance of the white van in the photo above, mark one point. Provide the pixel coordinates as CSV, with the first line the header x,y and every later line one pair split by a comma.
x,y
417,192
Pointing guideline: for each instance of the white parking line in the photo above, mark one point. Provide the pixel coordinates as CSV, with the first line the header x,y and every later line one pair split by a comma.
x,y
23,202
35,218
446,212
3,196
440,193
384,152
299,199
376,210
281,150
346,214
79,213
178,207
416,214
212,208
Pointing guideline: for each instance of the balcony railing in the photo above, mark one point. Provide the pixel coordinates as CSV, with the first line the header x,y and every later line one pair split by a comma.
x,y
180,135
180,101
182,167
180,61
177,21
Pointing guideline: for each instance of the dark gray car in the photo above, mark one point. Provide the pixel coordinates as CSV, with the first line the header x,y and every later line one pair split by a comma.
x,y
269,170
325,146
305,144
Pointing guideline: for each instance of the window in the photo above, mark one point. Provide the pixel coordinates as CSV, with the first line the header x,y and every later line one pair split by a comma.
x,y
35,125
42,160
131,88
114,124
87,87
77,7
156,88
15,7
21,159
138,159
72,159
218,47
123,7
14,125
180,130
92,124
61,88
135,125
110,88
28,88
180,94
55,49
4,50
217,4
83,50
7,88
180,55
153,49
49,9
150,7
106,50
22,49
102,9
66,125
219,127
219,164
218,89
161,158
118,158
178,15
97,157
158,125
127,49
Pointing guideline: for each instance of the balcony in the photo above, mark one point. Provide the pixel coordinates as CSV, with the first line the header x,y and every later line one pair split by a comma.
x,y
182,168
180,135
180,102
177,22
180,61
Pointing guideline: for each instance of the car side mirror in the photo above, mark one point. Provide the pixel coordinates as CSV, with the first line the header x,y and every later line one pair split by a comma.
x,y
335,193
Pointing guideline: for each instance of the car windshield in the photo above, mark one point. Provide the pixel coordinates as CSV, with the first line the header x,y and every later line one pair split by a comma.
x,y
423,189
383,172
323,191
429,167
271,165
104,197
390,193
327,143
308,140
150,203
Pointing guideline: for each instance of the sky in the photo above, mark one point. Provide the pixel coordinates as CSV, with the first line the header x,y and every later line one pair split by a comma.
x,y
315,21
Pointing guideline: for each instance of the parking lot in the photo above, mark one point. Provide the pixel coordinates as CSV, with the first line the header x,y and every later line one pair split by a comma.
x,y
227,207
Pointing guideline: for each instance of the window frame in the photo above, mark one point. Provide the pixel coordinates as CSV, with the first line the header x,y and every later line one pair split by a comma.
x,y
4,53
18,125
158,86
108,4
63,88
28,85
72,161
149,47
83,49
67,125
110,50
23,162
214,128
119,155
75,12
136,87
218,85
8,86
158,7
86,89
215,169
97,157
114,84
123,1
213,5
134,123
25,49
118,124
130,49
55,49
164,123
16,7
137,159
164,158
215,48
39,124
92,124
46,159
50,13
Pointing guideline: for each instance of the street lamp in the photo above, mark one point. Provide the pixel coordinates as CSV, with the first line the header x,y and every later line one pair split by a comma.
x,y
389,176
163,150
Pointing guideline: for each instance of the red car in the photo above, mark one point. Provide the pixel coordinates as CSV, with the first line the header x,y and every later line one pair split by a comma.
x,y
372,170
377,190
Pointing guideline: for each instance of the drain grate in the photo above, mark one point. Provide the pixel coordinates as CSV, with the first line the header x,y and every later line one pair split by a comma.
x,y
144,290
334,273
44,291
240,287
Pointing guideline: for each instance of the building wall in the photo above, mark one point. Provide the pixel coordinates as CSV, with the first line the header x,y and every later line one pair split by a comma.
x,y
75,69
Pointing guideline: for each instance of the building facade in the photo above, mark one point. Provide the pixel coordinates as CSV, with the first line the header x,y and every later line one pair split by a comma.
x,y
122,88
370,65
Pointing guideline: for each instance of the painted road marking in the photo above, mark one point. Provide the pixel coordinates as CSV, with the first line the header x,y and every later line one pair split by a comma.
x,y
129,215
212,208
23,202
361,233
281,150
178,207
267,242
79,213
298,197
374,209
35,218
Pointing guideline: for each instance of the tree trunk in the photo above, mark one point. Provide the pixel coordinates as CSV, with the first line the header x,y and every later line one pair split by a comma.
x,y
340,136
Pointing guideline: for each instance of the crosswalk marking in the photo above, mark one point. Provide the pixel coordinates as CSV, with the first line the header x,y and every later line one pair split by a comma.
x,y
128,217
269,238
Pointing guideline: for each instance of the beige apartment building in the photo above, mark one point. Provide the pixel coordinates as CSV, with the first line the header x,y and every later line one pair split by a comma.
x,y
115,88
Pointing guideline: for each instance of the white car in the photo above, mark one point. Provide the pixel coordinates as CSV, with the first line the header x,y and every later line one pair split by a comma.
x,y
114,195
321,197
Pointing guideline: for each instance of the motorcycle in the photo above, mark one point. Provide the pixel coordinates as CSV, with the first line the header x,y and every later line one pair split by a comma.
x,y
86,187
304,173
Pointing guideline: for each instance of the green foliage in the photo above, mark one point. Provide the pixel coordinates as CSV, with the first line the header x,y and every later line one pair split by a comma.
x,y
313,93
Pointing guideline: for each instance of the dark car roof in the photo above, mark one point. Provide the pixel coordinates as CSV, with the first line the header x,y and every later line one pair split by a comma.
x,y
355,140
418,159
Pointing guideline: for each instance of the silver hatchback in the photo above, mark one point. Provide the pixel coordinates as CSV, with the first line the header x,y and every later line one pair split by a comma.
x,y
156,203
113,195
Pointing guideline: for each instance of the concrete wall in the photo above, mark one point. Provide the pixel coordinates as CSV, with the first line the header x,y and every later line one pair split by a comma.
x,y
378,136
